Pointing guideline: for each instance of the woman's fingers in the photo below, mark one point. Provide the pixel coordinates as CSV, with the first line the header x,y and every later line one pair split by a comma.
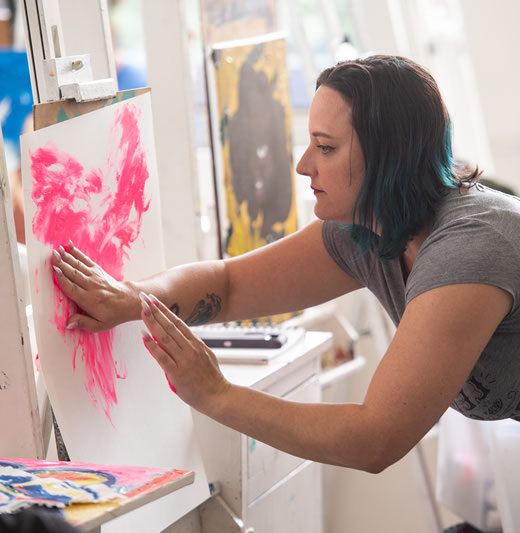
x,y
164,358
178,322
166,342
67,273
163,329
95,292
75,293
74,262
85,322
70,282
78,254
191,367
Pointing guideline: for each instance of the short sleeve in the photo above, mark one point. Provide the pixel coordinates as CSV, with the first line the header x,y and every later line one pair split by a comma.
x,y
471,251
345,252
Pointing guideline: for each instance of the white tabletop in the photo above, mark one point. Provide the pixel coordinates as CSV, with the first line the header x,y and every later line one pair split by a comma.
x,y
259,376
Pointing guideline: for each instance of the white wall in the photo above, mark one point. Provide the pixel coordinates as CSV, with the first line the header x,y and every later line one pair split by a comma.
x,y
494,42
471,47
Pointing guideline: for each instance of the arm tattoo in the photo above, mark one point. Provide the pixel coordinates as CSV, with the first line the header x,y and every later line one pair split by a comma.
x,y
203,312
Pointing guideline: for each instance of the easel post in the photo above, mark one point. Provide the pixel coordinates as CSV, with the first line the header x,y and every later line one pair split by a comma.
x,y
22,435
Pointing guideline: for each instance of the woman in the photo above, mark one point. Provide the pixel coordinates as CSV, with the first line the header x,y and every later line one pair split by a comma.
x,y
394,216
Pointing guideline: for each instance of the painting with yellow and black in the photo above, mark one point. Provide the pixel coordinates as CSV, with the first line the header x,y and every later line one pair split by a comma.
x,y
255,129
226,20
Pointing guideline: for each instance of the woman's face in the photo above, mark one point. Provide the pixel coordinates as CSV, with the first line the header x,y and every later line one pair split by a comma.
x,y
333,160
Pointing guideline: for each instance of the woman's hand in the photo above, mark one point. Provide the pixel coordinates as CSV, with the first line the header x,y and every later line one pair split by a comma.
x,y
191,367
104,301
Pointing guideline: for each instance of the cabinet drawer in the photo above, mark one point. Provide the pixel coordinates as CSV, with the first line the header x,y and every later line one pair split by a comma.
x,y
266,465
292,505
293,379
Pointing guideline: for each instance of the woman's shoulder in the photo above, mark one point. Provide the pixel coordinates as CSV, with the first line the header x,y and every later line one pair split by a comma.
x,y
477,203
474,239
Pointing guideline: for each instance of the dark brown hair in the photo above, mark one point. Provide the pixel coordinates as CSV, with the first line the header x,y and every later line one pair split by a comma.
x,y
405,134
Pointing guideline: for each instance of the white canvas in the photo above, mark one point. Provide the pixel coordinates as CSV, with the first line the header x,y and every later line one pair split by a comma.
x,y
110,397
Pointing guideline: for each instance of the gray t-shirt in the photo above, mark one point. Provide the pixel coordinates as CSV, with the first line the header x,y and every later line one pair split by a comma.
x,y
475,238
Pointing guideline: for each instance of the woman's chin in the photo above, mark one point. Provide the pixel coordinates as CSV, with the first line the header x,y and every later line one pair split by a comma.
x,y
327,214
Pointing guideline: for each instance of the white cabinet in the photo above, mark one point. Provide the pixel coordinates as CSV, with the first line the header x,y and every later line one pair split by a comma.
x,y
294,505
266,490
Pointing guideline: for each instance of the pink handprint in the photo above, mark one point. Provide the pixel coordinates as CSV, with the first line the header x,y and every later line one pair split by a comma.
x,y
101,212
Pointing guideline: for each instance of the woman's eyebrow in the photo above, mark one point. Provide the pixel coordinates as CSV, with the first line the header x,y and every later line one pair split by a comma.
x,y
322,134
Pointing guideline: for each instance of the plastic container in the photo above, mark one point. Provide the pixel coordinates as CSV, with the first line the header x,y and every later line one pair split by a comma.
x,y
505,450
465,475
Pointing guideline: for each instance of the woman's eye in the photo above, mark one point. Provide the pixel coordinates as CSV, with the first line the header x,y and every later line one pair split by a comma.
x,y
325,148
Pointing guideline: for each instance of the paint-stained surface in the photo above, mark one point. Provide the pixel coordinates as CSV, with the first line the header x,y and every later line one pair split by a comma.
x,y
51,113
83,491
101,211
93,180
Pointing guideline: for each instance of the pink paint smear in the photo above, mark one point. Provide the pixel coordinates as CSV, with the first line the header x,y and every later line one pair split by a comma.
x,y
101,212
128,478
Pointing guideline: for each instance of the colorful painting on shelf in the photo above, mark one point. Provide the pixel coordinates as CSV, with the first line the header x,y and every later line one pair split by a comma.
x,y
84,492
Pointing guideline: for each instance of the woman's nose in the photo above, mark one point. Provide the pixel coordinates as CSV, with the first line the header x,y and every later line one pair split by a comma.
x,y
302,165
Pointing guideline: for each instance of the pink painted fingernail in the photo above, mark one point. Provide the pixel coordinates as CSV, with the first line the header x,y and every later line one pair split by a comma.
x,y
57,270
62,250
57,255
146,336
145,299
72,325
146,308
154,299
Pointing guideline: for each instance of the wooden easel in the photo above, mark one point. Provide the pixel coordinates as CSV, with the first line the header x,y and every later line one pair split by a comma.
x,y
61,91
21,435
55,77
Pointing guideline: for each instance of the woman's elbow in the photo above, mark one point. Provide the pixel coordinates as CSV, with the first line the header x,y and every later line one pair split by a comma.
x,y
375,464
375,457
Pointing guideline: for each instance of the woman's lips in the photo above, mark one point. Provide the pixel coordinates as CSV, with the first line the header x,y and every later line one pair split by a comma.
x,y
316,191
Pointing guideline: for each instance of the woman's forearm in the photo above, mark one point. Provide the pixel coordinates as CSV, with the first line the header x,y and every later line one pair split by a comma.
x,y
356,436
306,430
197,292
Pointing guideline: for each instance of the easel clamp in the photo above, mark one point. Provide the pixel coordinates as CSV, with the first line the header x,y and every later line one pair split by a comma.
x,y
57,70
71,77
